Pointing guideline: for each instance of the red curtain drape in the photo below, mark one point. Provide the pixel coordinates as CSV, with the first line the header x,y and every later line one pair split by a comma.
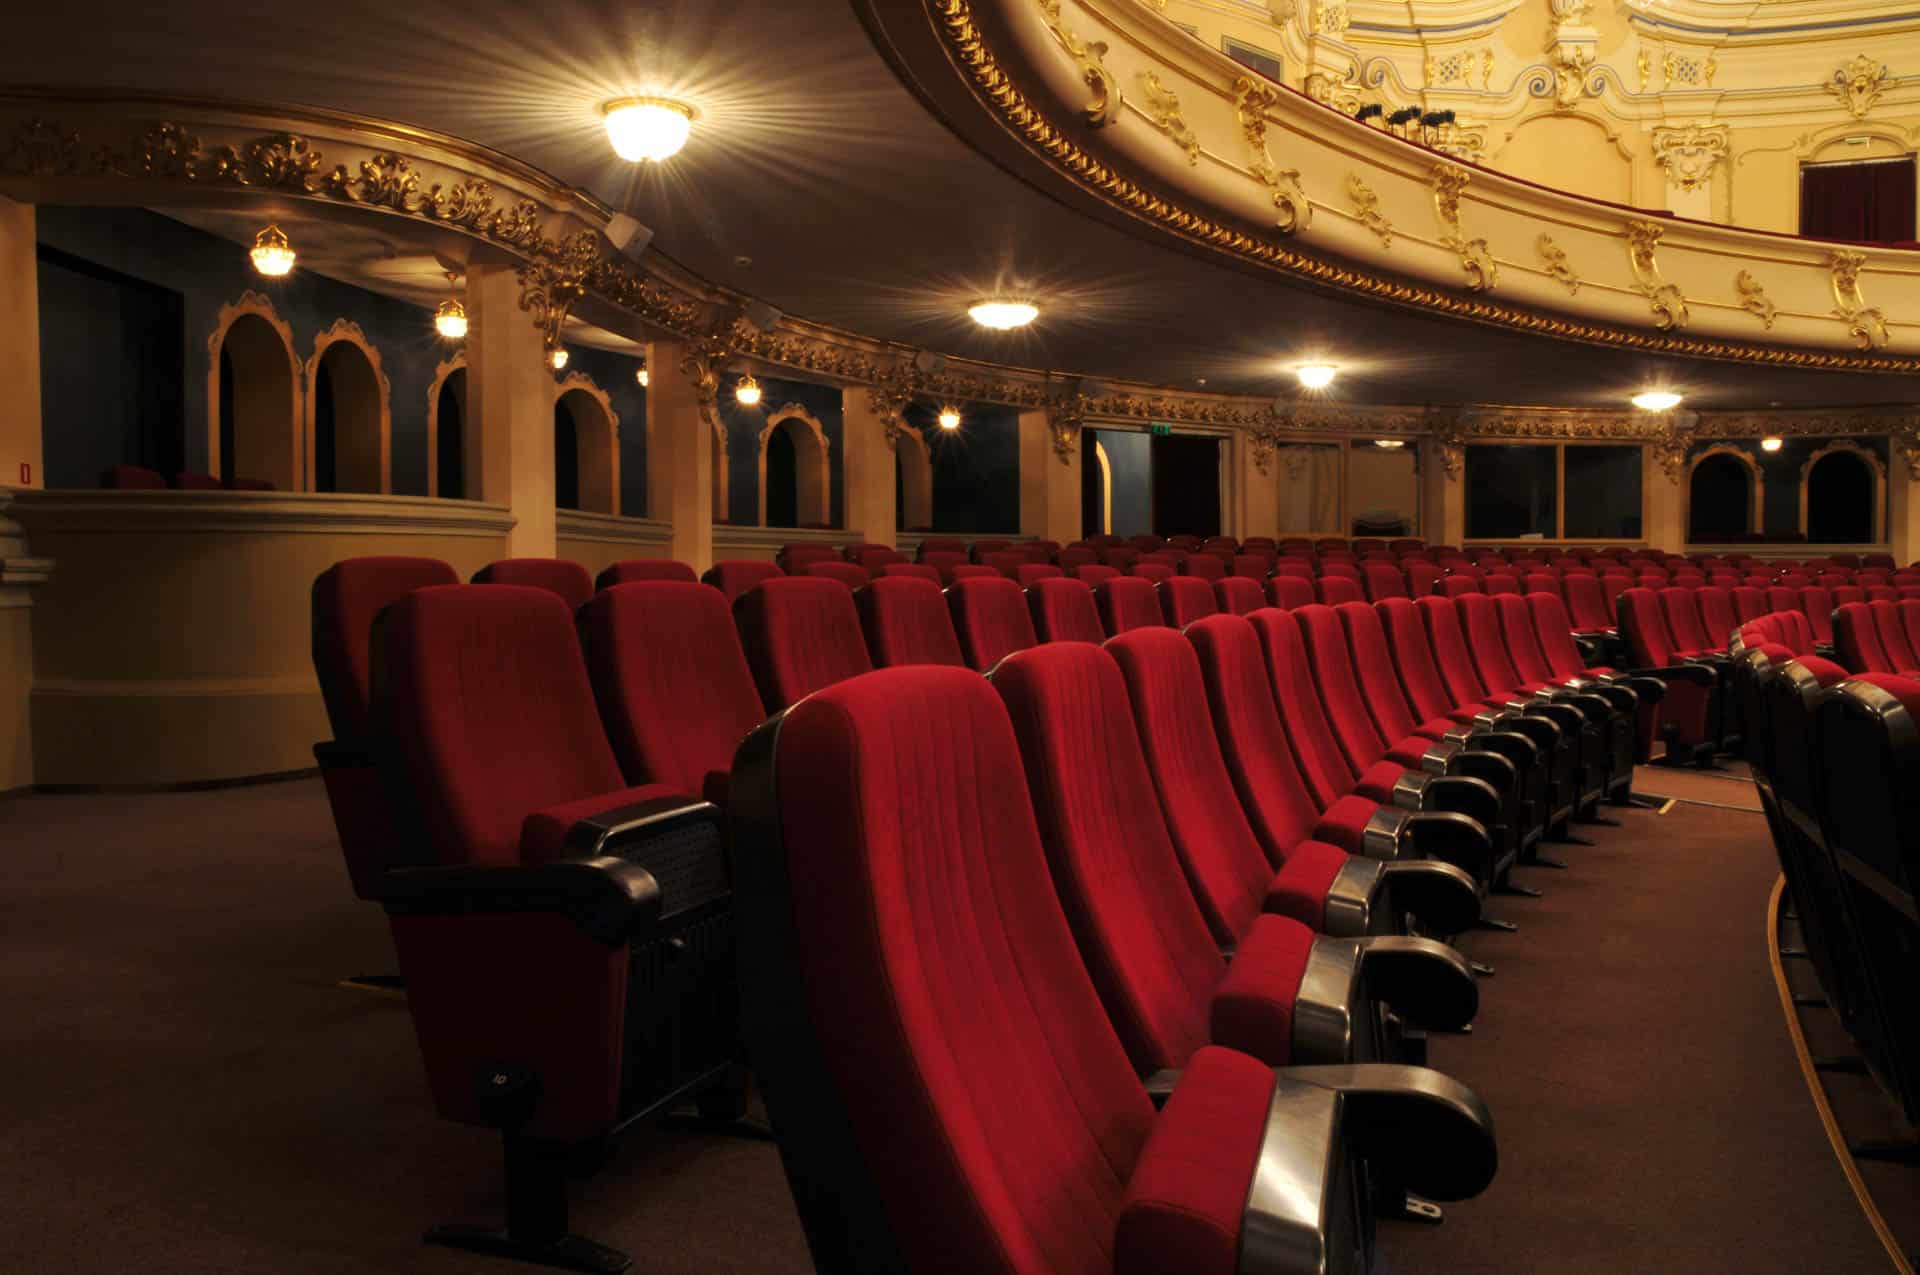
x,y
1867,202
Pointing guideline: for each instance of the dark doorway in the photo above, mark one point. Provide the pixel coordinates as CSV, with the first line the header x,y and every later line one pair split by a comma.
x,y
1093,487
223,463
1186,485
326,474
1720,500
1840,500
783,480
450,443
566,459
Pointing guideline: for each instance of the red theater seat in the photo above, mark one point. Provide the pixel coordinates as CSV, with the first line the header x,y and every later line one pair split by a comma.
x,y
913,571
1184,599
845,573
1064,611
566,580
734,577
133,478
1333,590
1238,595
991,619
906,622
1093,573
1288,592
633,570
800,634
1127,603
943,561
794,558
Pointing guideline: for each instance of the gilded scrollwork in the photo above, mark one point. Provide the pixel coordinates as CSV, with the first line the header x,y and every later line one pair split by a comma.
x,y
1366,206
1689,154
554,280
1859,84
1163,108
1103,108
1448,180
1553,259
889,399
1865,324
1251,102
41,149
1754,299
1065,417
1643,243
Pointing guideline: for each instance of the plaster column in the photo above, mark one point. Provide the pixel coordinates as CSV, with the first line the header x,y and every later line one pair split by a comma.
x,y
508,430
1443,495
1664,526
1254,504
20,446
866,470
680,425
1049,483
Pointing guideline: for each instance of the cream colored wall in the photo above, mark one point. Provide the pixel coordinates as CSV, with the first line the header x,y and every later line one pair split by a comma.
x,y
1378,479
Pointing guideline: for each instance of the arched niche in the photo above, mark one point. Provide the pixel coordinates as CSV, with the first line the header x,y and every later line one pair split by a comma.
x,y
253,395
802,431
1836,482
446,430
1715,479
913,471
361,434
1568,151
596,439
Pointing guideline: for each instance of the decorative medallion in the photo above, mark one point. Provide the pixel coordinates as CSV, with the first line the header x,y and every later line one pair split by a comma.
x,y
1690,153
1858,85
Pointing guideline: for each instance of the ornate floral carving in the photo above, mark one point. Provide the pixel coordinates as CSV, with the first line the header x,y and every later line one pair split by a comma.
x,y
1343,93
1670,449
1366,206
1669,307
1690,153
1553,259
1865,324
1570,63
1754,299
556,278
40,149
384,181
1448,180
1251,102
889,400
1065,416
1858,85
1103,108
1163,108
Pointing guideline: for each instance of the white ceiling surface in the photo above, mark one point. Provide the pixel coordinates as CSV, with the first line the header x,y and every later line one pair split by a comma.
x,y
849,203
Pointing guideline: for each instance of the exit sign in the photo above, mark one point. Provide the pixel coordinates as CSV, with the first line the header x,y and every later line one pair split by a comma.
x,y
1159,429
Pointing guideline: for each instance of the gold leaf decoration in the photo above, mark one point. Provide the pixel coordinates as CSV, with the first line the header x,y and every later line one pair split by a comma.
x,y
1104,106
1366,206
1865,324
1669,307
1251,102
1754,299
1448,180
1553,259
1163,108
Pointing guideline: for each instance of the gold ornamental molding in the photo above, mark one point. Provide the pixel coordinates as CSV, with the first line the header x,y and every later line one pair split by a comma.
x,y
1643,243
1753,298
1103,108
1180,213
1553,259
1366,207
1163,108
1251,102
1859,84
1689,154
1448,181
1865,324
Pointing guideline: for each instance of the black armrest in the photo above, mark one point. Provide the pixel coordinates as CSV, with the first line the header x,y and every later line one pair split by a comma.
x,y
1698,674
1423,980
1520,751
1422,1129
1444,897
605,832
342,754
1451,838
611,900
1464,794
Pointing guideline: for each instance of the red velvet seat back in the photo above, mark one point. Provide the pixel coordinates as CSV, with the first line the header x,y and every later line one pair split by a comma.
x,y
1205,566
906,622
1818,605
1451,654
1064,611
1343,570
1845,593
1683,621
1152,572
1028,572
913,571
1552,629
1093,573
1384,580
1717,614
1456,585
1909,609
1422,578
1782,598
1184,599
1344,703
981,548
566,580
1296,692
1487,641
990,617
1007,562
1894,639
1147,946
673,685
1412,651
484,694
633,570
795,557
1127,603
843,573
943,561
1237,595
940,544
1501,582
1857,639
1251,565
873,557
996,1112
1333,590
1643,623
347,597
1274,795
1541,582
735,576
1073,556
1120,558
1523,642
1287,592
1372,659
801,634
1749,603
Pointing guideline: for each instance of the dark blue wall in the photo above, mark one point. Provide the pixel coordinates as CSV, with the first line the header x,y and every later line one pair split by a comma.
x,y
1130,457
976,468
743,443
614,373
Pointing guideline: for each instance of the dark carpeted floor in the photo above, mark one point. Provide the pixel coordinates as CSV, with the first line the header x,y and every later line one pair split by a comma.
x,y
185,1089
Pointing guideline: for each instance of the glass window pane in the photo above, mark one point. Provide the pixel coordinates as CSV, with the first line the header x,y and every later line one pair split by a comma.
x,y
1510,491
1603,493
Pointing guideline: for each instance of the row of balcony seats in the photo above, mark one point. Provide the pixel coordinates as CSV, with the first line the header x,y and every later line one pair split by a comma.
x,y
1836,759
136,478
1251,774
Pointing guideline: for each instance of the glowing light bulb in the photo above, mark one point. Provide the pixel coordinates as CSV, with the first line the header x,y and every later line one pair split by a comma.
x,y
1770,444
747,393
1391,444
949,418
559,358
1316,376
647,128
450,320
272,254
1002,314
642,377
1656,400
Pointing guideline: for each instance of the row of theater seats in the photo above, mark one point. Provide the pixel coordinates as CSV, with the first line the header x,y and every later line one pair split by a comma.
x,y
136,478
1836,759
979,916
1878,636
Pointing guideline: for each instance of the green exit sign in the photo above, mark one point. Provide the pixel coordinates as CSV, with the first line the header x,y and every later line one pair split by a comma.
x,y
1159,429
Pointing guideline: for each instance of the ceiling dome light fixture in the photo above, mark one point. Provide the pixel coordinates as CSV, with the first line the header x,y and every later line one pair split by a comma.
x,y
642,377
1656,400
272,254
1769,444
747,392
1003,315
558,358
1316,376
949,418
1391,444
643,128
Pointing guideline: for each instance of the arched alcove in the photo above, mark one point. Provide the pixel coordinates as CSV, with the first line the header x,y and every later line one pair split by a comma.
x,y
253,395
349,417
803,496
585,419
1723,495
913,482
446,430
1843,489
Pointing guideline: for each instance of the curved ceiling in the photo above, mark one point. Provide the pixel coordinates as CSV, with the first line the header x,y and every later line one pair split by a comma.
x,y
816,181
